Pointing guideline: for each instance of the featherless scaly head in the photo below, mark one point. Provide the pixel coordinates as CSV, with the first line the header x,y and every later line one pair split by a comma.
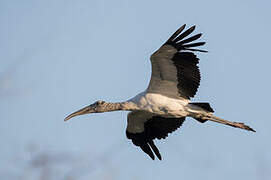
x,y
97,107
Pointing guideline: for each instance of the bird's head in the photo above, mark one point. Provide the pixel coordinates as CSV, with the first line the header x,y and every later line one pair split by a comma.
x,y
97,107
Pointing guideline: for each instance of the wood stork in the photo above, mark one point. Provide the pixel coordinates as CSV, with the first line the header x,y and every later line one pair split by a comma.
x,y
164,105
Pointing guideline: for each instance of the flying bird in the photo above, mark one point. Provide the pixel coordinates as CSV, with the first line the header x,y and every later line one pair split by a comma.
x,y
164,105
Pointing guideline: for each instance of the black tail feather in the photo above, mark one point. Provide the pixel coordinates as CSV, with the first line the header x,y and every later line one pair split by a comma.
x,y
205,106
201,120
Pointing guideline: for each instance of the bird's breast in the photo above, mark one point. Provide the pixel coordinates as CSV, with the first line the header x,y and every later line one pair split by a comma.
x,y
160,104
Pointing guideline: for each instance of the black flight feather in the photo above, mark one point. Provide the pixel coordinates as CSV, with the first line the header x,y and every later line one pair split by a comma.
x,y
189,49
184,34
192,45
176,40
156,127
146,148
155,150
193,38
176,33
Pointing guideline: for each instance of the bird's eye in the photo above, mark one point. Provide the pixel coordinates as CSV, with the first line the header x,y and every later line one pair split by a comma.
x,y
100,102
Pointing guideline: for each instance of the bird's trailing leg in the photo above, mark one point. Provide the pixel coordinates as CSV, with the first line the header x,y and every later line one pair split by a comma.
x,y
229,123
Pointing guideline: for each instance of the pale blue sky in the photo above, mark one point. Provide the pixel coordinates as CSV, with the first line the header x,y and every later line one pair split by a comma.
x,y
58,56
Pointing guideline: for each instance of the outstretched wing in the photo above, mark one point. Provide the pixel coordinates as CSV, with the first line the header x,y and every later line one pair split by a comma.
x,y
174,66
143,128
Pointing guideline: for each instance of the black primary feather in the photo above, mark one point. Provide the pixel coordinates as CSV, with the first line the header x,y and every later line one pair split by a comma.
x,y
188,73
176,33
193,38
193,44
184,34
177,39
156,127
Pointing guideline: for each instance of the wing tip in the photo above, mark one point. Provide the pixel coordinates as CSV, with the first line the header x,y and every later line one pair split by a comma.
x,y
155,150
176,33
147,149
176,40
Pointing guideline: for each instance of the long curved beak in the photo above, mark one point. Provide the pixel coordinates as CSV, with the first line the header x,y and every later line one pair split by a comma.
x,y
85,110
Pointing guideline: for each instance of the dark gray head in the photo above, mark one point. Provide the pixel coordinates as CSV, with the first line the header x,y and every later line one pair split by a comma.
x,y
97,107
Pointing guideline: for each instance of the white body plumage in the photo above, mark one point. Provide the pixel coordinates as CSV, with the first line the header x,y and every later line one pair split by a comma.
x,y
160,104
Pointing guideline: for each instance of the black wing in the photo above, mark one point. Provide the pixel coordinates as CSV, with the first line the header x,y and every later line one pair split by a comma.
x,y
142,131
174,66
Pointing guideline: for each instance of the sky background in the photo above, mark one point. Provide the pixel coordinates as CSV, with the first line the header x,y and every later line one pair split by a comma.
x,y
57,56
